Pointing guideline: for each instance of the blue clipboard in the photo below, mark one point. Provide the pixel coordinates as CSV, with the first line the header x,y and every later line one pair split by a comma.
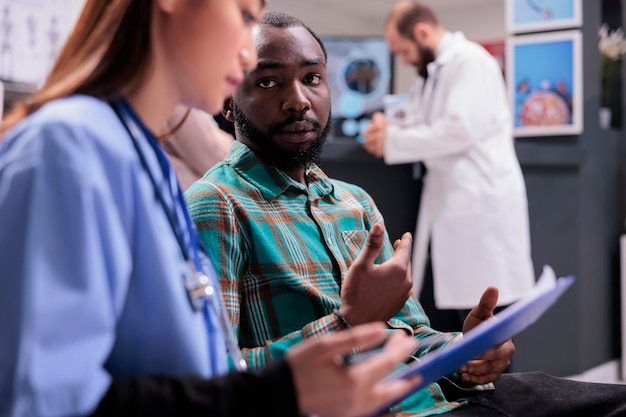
x,y
504,325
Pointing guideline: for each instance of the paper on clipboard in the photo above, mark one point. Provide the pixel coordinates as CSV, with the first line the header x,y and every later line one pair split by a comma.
x,y
397,109
509,322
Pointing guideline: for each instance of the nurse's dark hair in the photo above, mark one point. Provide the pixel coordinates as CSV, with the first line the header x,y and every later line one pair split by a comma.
x,y
109,48
282,20
406,14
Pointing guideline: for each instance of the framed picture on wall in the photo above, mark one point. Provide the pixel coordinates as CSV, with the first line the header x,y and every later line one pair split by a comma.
x,y
540,15
544,80
360,75
32,34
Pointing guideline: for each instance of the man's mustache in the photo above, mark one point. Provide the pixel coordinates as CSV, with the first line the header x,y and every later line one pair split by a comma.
x,y
280,126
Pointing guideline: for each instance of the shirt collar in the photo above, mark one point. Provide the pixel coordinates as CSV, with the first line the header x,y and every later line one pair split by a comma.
x,y
271,181
445,49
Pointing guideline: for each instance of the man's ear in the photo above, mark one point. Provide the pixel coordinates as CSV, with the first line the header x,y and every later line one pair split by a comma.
x,y
422,32
227,110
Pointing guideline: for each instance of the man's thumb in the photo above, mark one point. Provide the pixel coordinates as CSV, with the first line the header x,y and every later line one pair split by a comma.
x,y
374,243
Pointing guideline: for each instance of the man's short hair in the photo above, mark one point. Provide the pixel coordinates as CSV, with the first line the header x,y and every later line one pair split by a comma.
x,y
408,15
283,20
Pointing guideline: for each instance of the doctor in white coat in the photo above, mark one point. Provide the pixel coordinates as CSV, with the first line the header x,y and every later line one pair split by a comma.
x,y
473,210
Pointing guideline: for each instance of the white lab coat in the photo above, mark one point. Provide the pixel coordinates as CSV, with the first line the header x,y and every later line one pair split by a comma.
x,y
473,206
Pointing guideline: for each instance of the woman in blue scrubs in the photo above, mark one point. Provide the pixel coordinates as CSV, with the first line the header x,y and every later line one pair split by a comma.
x,y
108,305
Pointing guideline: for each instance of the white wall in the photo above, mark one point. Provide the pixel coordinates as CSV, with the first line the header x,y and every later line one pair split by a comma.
x,y
480,20
74,9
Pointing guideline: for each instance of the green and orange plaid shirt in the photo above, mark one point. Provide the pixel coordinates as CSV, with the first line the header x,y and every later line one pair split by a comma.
x,y
282,249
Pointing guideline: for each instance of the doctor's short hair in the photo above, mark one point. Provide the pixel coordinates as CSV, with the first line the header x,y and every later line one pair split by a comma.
x,y
283,21
407,14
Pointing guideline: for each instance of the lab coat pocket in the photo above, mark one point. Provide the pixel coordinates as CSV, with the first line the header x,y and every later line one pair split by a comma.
x,y
462,203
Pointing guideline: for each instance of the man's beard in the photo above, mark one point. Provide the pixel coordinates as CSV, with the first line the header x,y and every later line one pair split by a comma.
x,y
275,155
427,55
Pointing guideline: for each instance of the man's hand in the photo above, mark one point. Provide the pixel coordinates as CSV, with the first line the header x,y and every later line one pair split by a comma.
x,y
374,135
373,292
328,388
489,366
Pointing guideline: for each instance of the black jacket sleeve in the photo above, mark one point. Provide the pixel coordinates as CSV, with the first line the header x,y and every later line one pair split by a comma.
x,y
268,392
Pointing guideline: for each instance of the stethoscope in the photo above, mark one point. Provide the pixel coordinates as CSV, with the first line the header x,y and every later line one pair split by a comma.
x,y
201,289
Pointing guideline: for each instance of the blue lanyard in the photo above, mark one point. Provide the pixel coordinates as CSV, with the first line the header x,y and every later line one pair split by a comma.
x,y
201,290
187,236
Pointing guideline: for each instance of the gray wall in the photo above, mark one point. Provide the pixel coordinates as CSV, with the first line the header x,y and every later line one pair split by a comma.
x,y
573,192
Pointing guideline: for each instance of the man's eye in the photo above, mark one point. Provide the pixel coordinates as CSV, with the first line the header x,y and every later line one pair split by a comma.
x,y
266,83
314,79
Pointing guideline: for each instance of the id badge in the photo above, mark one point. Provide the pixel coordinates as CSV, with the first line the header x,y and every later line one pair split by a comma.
x,y
199,287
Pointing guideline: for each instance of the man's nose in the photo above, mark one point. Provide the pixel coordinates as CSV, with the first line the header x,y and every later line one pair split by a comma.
x,y
296,99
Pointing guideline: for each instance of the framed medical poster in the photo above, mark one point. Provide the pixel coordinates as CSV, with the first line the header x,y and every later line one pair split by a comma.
x,y
541,15
32,33
544,80
360,75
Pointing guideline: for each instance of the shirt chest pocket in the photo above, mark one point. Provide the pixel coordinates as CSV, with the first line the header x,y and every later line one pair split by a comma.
x,y
354,241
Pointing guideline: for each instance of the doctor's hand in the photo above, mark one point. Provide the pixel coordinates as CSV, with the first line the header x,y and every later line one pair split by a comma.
x,y
328,388
489,366
374,292
374,135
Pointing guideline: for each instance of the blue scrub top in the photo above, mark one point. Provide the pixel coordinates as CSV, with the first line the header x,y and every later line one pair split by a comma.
x,y
91,274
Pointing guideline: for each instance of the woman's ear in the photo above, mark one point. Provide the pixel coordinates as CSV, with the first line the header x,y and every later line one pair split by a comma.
x,y
227,110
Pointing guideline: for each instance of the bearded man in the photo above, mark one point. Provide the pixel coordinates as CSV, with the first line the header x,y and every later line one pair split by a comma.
x,y
299,254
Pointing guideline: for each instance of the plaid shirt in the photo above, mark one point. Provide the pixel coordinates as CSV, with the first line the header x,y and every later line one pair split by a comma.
x,y
282,250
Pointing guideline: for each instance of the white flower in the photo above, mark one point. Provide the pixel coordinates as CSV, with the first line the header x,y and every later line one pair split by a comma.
x,y
612,44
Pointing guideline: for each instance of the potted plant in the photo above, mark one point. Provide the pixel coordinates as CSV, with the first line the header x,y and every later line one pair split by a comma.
x,y
612,47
